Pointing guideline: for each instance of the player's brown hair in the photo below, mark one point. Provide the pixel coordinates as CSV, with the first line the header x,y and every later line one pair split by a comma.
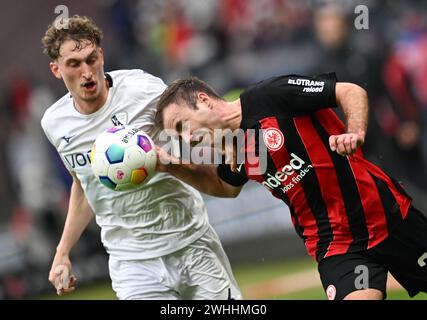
x,y
77,28
183,91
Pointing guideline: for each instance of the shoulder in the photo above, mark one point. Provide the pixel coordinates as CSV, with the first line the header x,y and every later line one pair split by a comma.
x,y
56,113
257,100
290,83
136,78
56,110
137,87
258,92
289,95
136,83
269,83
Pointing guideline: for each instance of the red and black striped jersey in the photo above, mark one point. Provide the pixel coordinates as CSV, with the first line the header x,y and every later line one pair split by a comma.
x,y
338,204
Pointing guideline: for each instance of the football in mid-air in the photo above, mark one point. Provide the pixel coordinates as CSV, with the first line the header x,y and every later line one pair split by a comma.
x,y
123,158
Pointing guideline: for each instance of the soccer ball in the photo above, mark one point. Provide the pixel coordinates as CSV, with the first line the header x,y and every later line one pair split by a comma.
x,y
123,158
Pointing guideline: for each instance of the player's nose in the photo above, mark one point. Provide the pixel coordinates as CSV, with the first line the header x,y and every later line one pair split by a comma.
x,y
87,73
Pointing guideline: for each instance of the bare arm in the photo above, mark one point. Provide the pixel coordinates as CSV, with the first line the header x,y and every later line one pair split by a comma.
x,y
78,217
202,177
353,100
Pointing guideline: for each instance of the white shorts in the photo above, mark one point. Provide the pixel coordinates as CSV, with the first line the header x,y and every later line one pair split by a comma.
x,y
200,271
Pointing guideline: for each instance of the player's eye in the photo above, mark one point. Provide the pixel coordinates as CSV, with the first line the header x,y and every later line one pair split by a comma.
x,y
74,64
91,60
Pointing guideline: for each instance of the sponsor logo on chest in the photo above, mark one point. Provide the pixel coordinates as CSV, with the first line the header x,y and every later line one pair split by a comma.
x,y
289,176
78,159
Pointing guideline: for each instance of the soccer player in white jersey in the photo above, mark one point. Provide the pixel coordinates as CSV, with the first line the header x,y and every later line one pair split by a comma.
x,y
159,240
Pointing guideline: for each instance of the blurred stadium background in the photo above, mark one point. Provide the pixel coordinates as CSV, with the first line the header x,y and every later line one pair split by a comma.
x,y
229,43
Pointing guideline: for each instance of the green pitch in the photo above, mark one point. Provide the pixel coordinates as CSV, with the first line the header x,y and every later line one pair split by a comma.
x,y
247,276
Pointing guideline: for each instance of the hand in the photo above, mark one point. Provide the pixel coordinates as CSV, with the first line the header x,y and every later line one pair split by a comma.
x,y
347,143
59,274
164,160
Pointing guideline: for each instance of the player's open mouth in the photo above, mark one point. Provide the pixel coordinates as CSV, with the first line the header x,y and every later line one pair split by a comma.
x,y
89,85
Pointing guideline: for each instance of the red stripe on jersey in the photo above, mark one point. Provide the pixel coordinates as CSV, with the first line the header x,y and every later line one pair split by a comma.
x,y
333,125
371,200
403,201
296,194
252,164
329,185
331,122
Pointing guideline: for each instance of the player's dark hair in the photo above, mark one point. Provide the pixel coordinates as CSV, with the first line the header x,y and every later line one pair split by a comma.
x,y
184,91
77,28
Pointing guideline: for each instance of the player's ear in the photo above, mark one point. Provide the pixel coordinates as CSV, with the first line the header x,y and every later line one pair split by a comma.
x,y
55,70
203,97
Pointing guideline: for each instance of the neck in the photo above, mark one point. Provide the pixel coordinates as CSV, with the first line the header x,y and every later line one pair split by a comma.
x,y
87,107
231,113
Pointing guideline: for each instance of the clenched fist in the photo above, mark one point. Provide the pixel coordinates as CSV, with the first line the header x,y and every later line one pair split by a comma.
x,y
346,143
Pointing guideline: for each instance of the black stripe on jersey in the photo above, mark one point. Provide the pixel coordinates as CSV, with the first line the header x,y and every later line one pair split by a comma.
x,y
350,193
390,206
311,187
271,168
398,186
298,228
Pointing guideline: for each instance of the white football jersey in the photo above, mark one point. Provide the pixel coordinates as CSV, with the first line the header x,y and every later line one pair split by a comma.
x,y
164,215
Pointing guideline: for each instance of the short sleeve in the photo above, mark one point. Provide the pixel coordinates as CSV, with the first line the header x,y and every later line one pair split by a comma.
x,y
232,178
45,126
292,95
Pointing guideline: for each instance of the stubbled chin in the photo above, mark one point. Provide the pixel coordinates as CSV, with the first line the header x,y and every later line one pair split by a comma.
x,y
90,96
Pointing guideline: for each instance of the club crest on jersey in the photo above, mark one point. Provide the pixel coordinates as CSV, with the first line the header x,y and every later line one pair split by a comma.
x,y
120,119
273,138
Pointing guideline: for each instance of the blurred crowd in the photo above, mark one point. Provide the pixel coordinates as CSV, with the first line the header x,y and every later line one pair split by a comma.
x,y
233,43
230,44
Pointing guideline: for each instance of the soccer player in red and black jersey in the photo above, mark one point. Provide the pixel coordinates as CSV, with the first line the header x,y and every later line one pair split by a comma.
x,y
351,215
